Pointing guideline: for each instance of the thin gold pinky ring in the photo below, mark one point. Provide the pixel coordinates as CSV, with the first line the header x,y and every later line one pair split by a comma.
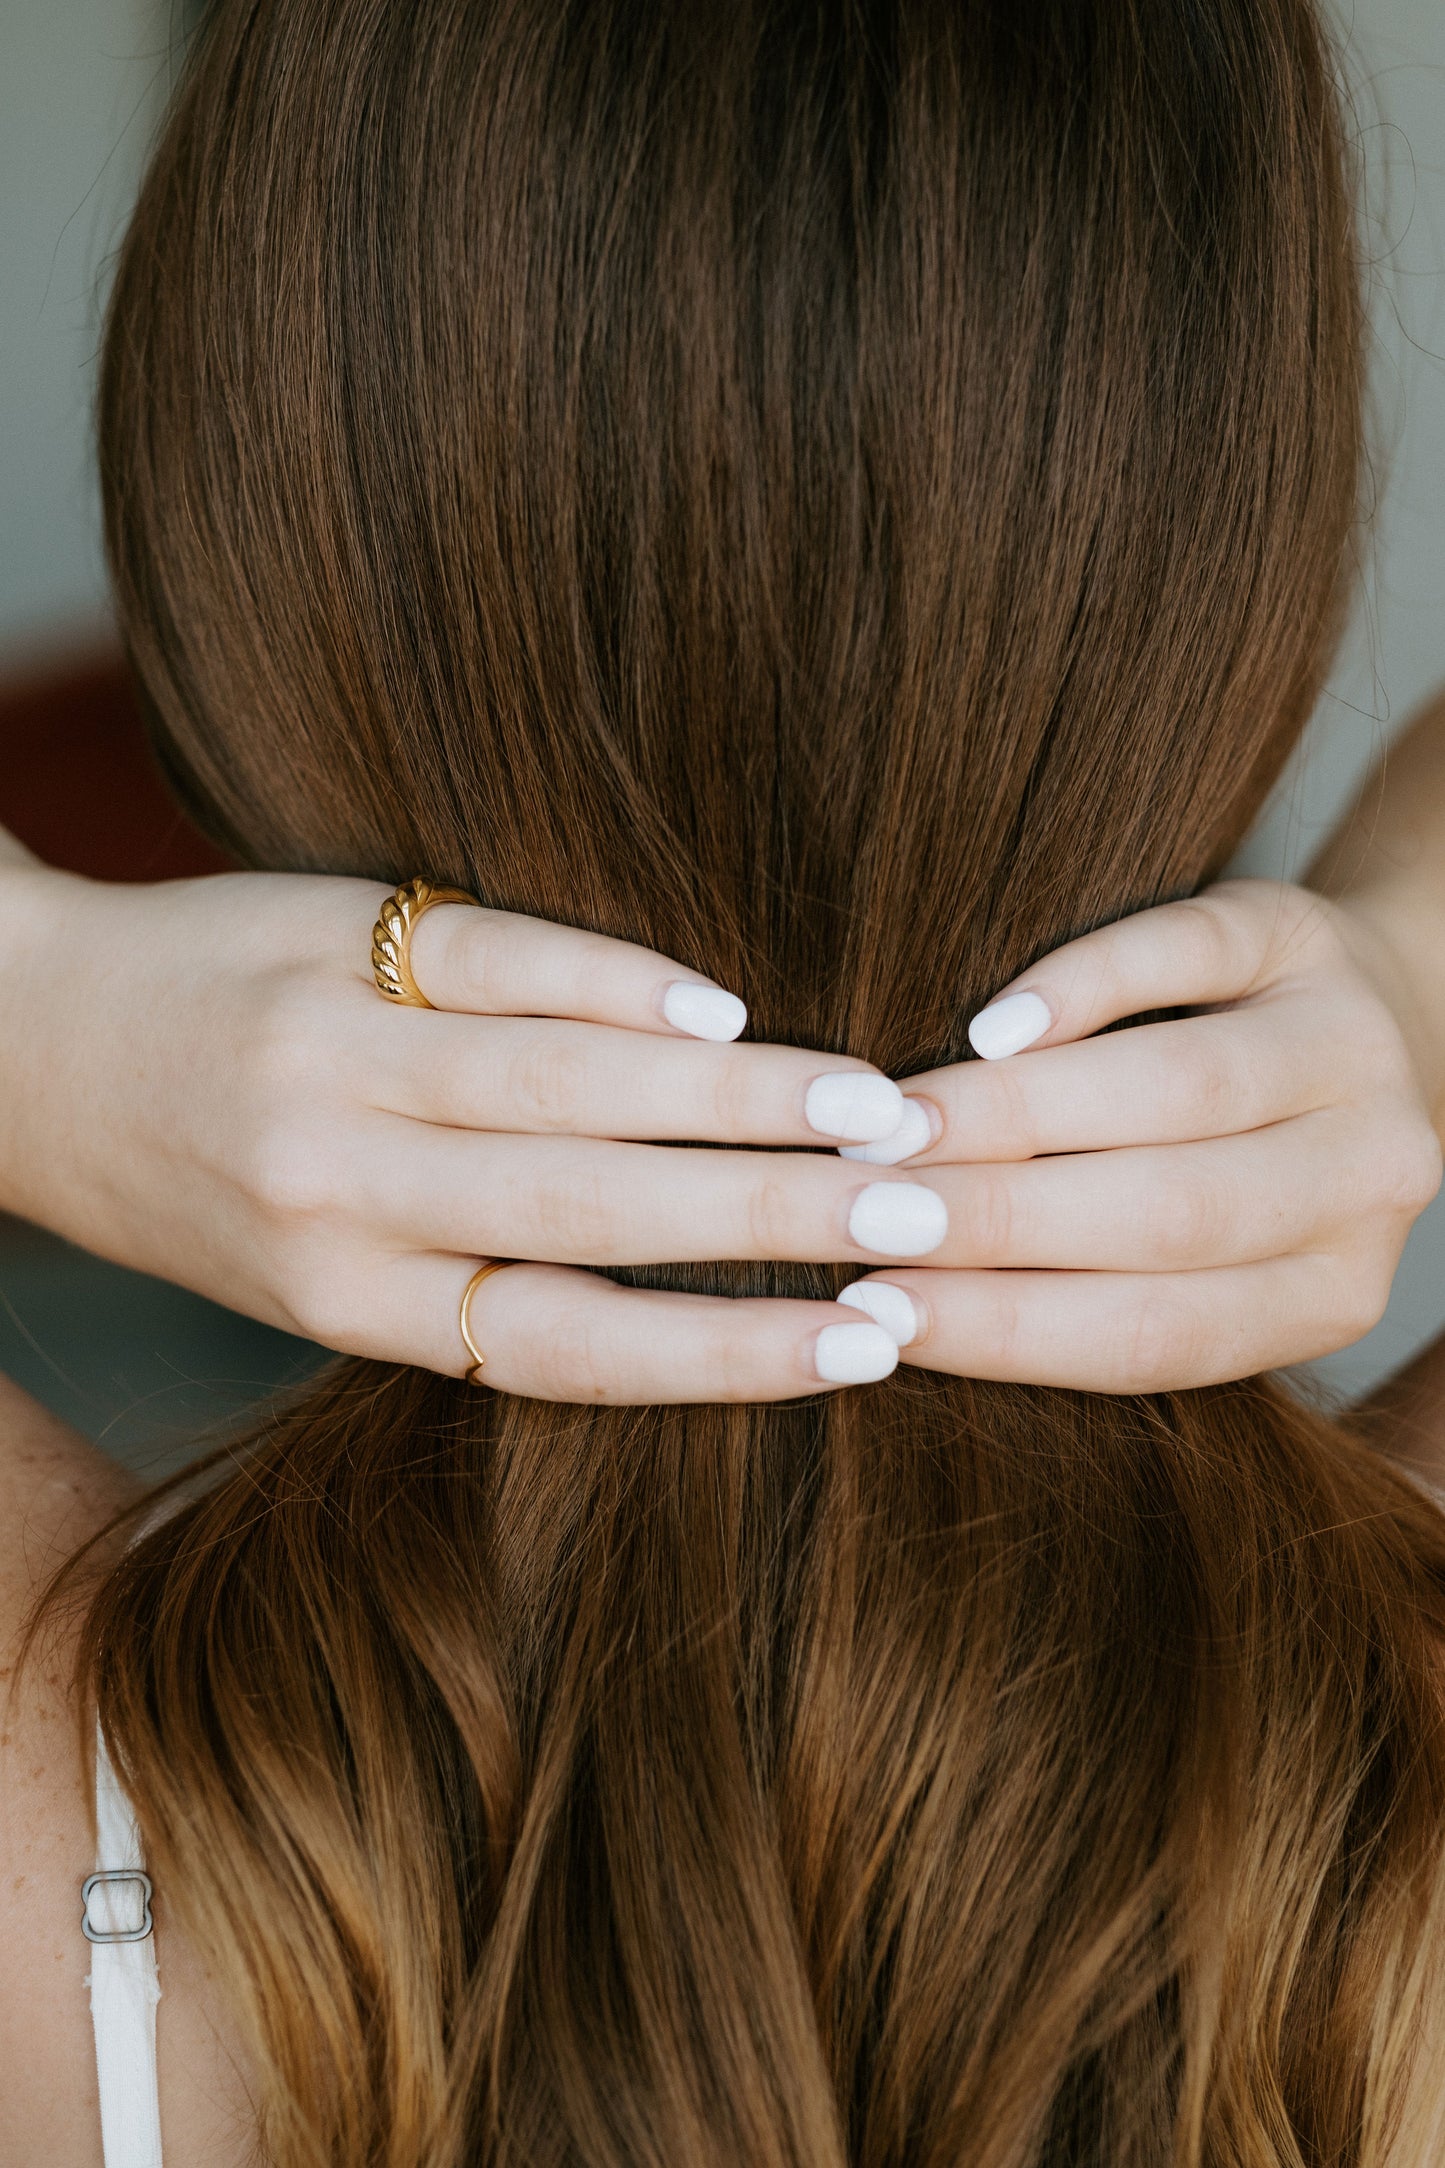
x,y
391,938
484,1271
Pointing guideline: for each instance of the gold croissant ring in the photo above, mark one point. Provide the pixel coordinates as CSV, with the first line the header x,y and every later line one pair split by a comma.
x,y
391,938
483,1272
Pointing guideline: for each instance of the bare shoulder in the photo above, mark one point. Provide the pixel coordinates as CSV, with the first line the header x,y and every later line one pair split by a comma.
x,y
57,1491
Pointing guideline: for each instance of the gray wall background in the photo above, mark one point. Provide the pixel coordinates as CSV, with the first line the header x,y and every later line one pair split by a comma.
x,y
81,85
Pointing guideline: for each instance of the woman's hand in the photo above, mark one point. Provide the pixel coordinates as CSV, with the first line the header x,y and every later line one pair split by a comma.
x,y
204,1083
1182,1202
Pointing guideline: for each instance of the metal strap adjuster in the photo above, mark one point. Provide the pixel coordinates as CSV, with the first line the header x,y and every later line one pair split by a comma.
x,y
116,1934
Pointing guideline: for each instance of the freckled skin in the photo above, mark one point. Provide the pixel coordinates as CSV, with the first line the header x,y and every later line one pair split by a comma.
x,y
55,1489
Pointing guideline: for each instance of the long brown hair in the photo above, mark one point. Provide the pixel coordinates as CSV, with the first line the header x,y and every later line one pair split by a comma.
x,y
848,492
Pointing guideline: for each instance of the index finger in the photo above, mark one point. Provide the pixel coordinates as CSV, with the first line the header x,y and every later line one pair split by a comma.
x,y
1191,1078
500,963
1216,947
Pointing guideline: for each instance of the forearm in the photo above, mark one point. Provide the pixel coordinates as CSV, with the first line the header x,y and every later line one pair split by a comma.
x,y
1385,864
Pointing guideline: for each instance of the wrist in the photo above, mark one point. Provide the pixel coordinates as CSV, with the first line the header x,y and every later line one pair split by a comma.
x,y
37,998
1394,931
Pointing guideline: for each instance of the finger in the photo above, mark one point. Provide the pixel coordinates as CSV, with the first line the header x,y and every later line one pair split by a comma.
x,y
1214,947
1197,1077
591,1201
1110,1332
498,963
1163,1208
538,1075
555,1334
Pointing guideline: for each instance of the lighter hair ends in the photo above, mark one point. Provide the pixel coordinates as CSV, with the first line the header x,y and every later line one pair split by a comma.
x,y
848,493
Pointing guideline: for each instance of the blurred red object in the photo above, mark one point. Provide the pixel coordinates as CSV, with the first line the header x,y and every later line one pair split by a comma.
x,y
78,783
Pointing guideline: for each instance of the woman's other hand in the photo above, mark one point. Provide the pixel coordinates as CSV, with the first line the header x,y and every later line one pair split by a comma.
x,y
204,1083
1186,1201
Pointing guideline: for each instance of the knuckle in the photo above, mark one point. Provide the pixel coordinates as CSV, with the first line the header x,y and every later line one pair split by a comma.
x,y
547,1082
1159,1346
324,1297
991,1214
1209,1089
1394,1068
1413,1176
730,1093
1005,1327
292,1178
319,1312
1195,1221
1273,922
563,1356
286,1044
1009,1119
772,1217
1373,1053
1360,1301
736,1366
572,1217
577,1360
458,957
1210,928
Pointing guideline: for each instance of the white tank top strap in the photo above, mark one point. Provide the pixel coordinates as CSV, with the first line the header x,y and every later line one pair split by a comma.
x,y
124,1988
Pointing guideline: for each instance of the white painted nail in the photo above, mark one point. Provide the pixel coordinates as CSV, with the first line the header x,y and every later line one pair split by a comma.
x,y
898,1219
1008,1026
854,1104
704,1012
913,1134
890,1307
854,1354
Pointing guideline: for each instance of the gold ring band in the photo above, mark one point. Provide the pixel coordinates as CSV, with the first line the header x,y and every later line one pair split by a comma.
x,y
391,938
483,1272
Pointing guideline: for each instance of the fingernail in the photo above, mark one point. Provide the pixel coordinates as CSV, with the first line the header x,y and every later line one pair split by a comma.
x,y
854,1104
1008,1026
705,1012
913,1134
898,1219
888,1306
854,1354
